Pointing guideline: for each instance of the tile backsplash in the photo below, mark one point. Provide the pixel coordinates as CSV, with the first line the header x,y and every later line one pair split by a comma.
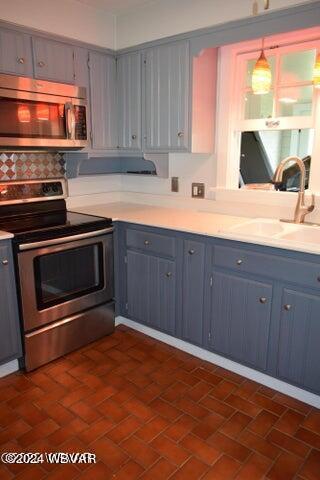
x,y
31,165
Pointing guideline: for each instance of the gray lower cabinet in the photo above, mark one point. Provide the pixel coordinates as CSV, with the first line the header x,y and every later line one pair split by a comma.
x,y
151,290
15,53
240,318
53,60
193,281
129,101
298,354
167,97
10,339
103,101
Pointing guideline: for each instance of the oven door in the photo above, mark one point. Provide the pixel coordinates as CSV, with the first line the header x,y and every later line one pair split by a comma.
x,y
29,119
60,280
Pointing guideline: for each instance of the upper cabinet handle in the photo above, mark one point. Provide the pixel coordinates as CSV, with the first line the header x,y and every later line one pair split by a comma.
x,y
192,251
180,134
287,307
239,262
20,60
263,300
169,274
146,242
41,64
134,137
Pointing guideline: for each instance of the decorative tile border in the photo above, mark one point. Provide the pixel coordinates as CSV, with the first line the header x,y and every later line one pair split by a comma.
x,y
31,165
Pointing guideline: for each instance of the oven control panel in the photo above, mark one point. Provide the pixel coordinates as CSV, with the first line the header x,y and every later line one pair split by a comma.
x,y
32,190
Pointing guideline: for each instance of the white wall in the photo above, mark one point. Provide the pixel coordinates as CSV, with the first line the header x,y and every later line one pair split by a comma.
x,y
63,17
163,18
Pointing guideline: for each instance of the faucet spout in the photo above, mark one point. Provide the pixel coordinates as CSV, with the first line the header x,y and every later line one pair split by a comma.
x,y
301,209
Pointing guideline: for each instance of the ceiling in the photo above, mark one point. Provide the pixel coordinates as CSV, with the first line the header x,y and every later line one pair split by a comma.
x,y
116,6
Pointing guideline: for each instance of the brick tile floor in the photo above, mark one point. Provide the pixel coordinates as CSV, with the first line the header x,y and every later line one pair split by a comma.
x,y
149,411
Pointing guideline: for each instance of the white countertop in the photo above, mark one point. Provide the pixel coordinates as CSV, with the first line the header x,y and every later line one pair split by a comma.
x,y
5,235
192,221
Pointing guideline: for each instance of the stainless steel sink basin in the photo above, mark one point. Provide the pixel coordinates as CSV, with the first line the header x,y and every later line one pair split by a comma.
x,y
259,227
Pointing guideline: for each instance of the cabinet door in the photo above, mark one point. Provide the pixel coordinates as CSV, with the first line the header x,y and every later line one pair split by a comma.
x,y
10,339
298,356
15,53
53,60
129,101
167,97
240,318
103,101
151,290
193,291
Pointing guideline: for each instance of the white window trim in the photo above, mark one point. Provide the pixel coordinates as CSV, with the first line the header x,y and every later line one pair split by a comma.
x,y
228,139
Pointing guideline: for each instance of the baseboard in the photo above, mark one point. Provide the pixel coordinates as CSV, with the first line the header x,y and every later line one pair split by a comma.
x,y
280,386
8,368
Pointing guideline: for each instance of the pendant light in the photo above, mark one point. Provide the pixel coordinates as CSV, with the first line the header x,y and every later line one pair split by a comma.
x,y
316,72
261,76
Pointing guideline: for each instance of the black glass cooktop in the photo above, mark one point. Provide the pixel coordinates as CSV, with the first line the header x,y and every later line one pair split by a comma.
x,y
40,222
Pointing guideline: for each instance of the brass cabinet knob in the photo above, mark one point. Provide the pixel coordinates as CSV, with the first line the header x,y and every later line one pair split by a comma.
x,y
263,300
20,60
180,134
146,242
287,307
239,262
191,251
5,262
41,64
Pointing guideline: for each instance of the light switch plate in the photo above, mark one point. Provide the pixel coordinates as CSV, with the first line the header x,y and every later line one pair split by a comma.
x,y
175,184
197,190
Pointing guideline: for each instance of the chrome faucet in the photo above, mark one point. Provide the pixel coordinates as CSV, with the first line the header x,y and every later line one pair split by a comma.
x,y
301,209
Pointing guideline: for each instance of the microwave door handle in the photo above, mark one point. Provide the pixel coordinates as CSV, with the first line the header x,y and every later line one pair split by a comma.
x,y
68,112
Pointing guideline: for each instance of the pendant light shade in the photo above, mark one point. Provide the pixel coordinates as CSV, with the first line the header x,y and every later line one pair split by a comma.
x,y
316,72
261,75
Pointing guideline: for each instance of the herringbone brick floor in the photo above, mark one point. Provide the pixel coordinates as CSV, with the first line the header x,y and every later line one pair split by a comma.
x,y
149,411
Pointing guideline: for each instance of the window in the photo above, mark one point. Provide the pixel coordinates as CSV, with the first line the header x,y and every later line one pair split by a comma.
x,y
258,131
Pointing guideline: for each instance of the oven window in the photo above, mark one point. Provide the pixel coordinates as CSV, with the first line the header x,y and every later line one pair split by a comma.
x,y
68,274
29,119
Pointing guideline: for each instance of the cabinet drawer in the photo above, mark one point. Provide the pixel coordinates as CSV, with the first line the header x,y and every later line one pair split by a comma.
x,y
162,245
277,267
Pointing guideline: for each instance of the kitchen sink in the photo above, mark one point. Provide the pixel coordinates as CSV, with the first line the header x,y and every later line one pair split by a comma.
x,y
303,234
259,227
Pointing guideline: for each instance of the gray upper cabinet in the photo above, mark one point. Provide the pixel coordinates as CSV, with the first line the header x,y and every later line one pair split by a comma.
x,y
193,291
240,318
129,101
10,339
53,60
151,290
298,355
167,97
103,101
15,53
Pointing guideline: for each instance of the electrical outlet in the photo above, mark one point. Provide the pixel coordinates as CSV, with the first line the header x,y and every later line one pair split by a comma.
x,y
197,190
174,184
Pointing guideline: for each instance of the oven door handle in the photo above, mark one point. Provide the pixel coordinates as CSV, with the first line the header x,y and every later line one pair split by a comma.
x,y
58,241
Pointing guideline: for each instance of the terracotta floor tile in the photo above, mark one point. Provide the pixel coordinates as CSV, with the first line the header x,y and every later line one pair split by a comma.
x,y
289,422
216,406
292,403
225,468
312,422
192,408
208,425
185,377
199,391
248,407
148,431
165,409
311,468
13,431
161,470
285,467
42,430
259,444
175,391
138,409
140,451
255,468
231,447
5,474
193,469
170,450
309,437
227,374
100,395
32,472
223,390
64,433
150,393
75,395
234,426
85,412
98,471
95,430
263,423
124,429
61,415
199,448
116,413
130,471
109,453
247,389
289,443
63,472
208,377
268,404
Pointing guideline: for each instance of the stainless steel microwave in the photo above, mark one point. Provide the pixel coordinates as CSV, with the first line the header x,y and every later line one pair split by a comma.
x,y
36,113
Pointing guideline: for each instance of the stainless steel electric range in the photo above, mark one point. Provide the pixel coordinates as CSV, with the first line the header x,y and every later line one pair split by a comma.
x,y
64,267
